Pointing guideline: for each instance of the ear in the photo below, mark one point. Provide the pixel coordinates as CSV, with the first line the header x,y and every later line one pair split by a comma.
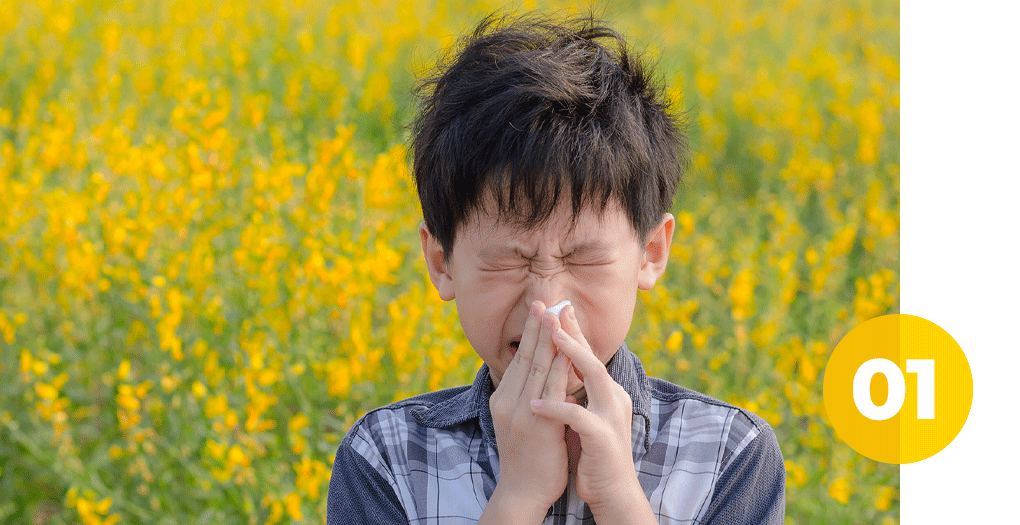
x,y
656,253
435,259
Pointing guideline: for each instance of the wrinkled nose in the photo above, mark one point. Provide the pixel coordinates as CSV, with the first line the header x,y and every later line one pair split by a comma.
x,y
546,285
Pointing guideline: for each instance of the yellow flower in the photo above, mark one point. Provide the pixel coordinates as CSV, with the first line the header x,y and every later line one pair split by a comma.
x,y
798,474
808,370
884,499
215,406
199,389
237,457
85,507
742,294
103,506
46,391
839,490
215,449
297,423
124,370
686,222
292,503
811,256
674,341
275,511
699,339
310,476
26,360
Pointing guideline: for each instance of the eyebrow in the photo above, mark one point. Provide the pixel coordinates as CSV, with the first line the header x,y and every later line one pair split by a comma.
x,y
581,248
497,252
589,246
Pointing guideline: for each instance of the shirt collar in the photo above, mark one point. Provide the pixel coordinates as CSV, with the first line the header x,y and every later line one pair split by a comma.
x,y
624,367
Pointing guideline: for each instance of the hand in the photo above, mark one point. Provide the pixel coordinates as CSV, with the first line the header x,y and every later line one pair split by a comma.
x,y
606,479
532,450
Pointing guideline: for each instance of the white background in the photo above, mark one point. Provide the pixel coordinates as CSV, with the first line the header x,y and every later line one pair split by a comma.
x,y
960,241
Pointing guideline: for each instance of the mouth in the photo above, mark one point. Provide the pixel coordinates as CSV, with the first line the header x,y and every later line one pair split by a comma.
x,y
514,345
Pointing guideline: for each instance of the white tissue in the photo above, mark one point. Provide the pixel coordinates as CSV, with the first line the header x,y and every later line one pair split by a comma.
x,y
555,309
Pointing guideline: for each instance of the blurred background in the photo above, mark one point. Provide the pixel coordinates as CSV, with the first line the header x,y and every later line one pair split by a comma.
x,y
209,265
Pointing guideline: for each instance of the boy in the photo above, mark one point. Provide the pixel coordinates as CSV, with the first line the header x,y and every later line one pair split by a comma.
x,y
546,167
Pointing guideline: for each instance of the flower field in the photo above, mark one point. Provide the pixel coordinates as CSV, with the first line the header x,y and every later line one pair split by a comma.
x,y
209,263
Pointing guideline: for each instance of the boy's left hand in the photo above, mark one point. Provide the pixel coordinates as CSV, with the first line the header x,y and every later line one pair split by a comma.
x,y
606,479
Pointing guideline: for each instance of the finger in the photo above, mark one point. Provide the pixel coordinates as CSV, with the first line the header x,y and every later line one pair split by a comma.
x,y
594,374
542,361
531,329
556,384
577,418
517,372
568,321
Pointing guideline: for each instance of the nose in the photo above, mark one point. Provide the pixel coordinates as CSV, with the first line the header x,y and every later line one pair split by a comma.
x,y
546,286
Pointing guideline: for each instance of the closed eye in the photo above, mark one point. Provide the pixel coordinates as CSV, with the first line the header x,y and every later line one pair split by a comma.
x,y
588,262
505,269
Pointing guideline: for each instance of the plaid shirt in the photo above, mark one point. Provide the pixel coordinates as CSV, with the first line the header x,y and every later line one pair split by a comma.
x,y
433,459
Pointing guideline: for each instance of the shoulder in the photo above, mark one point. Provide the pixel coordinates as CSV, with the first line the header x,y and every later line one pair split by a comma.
x,y
729,456
396,456
671,398
370,478
394,423
733,427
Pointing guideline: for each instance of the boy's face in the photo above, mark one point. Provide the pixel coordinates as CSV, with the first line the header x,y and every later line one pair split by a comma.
x,y
497,270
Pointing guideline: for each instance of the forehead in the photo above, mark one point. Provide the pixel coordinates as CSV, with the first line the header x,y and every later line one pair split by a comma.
x,y
591,228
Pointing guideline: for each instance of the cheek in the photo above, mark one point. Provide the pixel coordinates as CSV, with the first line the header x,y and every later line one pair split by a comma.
x,y
475,321
482,317
611,323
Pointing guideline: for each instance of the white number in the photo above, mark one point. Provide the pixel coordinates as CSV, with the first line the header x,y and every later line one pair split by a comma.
x,y
925,370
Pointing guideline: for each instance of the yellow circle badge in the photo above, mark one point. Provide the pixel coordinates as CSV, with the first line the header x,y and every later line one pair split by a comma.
x,y
898,388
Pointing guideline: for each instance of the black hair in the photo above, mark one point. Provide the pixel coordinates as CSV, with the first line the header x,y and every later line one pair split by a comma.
x,y
526,109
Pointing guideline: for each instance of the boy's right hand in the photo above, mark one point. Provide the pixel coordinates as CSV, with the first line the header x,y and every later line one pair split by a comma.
x,y
532,450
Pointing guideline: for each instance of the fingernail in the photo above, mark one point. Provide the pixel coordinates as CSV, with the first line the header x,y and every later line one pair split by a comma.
x,y
536,404
570,312
548,321
535,311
